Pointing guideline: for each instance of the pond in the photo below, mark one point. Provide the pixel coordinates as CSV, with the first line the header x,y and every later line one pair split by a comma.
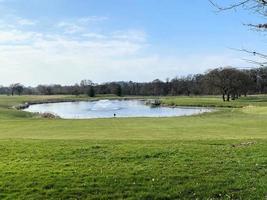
x,y
109,108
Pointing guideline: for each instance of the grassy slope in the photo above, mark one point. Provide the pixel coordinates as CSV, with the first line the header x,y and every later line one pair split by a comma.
x,y
219,155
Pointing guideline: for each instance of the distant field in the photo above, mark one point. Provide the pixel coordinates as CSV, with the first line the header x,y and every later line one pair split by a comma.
x,y
220,155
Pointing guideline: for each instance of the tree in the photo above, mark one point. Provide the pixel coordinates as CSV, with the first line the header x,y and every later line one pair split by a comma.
x,y
76,90
91,92
19,89
85,86
227,81
258,78
16,88
245,82
12,88
157,87
119,90
257,6
85,83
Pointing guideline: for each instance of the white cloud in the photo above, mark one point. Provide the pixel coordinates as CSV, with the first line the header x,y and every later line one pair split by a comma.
x,y
13,36
12,21
70,27
34,57
80,25
26,22
90,19
94,35
135,35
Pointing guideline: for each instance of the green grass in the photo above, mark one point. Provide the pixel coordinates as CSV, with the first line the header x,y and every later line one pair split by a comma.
x,y
220,155
216,101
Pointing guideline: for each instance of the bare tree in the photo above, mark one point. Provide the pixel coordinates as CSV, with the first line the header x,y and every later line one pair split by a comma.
x,y
230,82
16,88
258,7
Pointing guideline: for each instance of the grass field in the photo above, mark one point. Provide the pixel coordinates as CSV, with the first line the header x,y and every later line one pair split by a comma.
x,y
220,155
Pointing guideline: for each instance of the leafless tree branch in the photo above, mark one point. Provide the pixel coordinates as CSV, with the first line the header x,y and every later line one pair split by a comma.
x,y
230,7
260,7
261,64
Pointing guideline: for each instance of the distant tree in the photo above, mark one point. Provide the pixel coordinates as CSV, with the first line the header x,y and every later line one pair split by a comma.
x,y
157,88
261,79
85,86
91,91
45,89
16,88
182,85
243,83
230,82
86,83
187,85
4,90
198,84
75,90
12,88
119,90
19,89
227,80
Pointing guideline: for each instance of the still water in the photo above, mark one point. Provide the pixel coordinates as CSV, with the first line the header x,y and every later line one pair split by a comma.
x,y
107,109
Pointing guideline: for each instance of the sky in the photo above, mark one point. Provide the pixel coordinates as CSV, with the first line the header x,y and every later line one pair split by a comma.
x,y
66,41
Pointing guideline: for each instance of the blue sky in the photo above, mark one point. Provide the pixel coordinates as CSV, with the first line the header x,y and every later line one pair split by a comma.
x,y
65,41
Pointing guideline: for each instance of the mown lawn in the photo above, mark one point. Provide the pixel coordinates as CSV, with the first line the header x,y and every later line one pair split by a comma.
x,y
220,155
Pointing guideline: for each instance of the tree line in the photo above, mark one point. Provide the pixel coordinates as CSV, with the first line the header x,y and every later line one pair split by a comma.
x,y
231,83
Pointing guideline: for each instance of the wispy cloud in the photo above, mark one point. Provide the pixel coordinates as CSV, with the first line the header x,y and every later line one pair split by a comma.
x,y
136,35
89,19
94,35
83,53
14,22
11,37
70,27
71,51
80,25
26,22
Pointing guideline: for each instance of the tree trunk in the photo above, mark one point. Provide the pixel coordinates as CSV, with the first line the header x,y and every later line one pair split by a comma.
x,y
228,97
223,97
233,97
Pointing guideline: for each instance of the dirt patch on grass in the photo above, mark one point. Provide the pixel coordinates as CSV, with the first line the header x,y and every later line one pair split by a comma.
x,y
244,144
